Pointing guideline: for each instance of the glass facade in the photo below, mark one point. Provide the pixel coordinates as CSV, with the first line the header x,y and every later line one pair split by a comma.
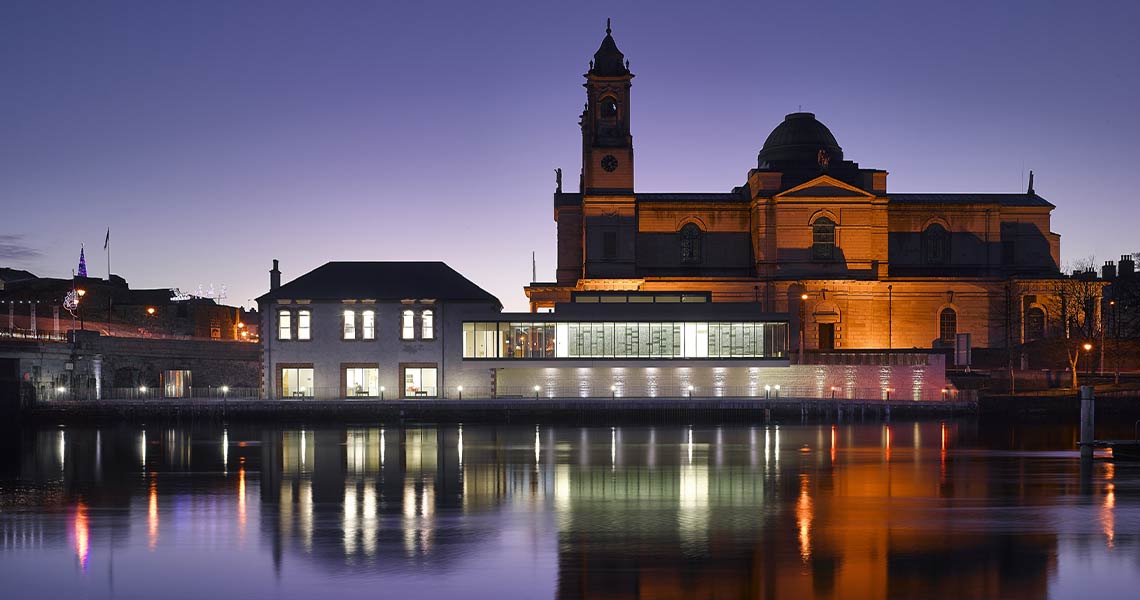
x,y
605,339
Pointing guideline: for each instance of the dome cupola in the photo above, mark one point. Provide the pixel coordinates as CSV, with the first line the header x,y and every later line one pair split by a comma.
x,y
799,139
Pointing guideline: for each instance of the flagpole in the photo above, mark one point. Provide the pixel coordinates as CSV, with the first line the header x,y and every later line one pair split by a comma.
x,y
107,247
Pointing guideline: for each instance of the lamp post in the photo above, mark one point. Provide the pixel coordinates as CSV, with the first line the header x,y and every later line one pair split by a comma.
x,y
803,316
1088,358
460,390
777,390
890,315
833,390
79,305
537,388
613,392
767,392
690,391
381,393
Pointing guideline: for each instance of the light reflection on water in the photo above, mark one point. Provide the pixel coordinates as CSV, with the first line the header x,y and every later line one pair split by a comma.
x,y
922,509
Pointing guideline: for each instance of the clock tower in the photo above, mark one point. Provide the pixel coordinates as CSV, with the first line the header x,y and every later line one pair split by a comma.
x,y
608,204
607,146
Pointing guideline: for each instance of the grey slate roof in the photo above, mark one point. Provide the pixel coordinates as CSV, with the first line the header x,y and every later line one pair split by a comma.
x,y
1002,199
382,281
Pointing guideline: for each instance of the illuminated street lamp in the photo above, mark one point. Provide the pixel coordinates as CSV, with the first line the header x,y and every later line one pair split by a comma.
x,y
381,393
80,293
690,390
777,390
1088,358
536,388
460,390
613,392
767,391
803,317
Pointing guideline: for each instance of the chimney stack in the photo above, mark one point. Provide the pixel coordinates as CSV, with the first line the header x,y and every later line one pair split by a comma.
x,y
274,277
1108,271
1126,266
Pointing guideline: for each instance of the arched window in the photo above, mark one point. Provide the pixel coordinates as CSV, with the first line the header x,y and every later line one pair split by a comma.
x,y
823,239
368,324
609,108
407,325
935,245
427,325
947,325
304,323
350,324
690,244
1034,324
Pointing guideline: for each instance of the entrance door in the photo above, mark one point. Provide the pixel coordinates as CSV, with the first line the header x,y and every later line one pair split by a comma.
x,y
827,336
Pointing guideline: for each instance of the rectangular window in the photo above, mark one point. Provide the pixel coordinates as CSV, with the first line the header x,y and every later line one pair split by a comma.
x,y
609,244
360,382
297,382
368,324
349,325
284,325
427,325
407,325
419,382
176,384
304,318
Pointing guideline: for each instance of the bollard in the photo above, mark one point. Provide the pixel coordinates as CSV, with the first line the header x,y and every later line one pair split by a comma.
x,y
1087,410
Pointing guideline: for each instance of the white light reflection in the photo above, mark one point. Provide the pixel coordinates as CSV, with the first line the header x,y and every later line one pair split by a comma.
x,y
142,449
62,449
803,518
225,451
613,447
537,446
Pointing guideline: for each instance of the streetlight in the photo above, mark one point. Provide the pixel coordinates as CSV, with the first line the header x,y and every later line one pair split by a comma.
x,y
381,393
833,390
536,388
803,316
777,390
690,391
613,392
888,391
460,390
767,391
1088,358
79,306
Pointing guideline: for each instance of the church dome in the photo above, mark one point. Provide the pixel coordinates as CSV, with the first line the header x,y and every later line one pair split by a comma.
x,y
799,139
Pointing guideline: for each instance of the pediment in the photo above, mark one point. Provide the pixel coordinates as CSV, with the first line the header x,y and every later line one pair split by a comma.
x,y
825,186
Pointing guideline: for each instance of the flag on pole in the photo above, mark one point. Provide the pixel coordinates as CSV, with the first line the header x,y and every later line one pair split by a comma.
x,y
107,240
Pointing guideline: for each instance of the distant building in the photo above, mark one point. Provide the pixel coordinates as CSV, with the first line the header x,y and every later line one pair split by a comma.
x,y
809,234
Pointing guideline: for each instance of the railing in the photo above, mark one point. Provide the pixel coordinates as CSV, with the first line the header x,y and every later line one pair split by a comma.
x,y
39,335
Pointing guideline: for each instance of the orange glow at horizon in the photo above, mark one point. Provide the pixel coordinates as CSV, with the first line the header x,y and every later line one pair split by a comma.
x,y
82,533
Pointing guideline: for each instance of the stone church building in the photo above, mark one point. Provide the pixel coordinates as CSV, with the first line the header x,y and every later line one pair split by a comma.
x,y
809,233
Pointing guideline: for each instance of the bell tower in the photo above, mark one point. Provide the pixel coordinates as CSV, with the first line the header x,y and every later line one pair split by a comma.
x,y
609,213
607,146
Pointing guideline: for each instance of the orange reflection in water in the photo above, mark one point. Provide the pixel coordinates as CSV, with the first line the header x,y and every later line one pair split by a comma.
x,y
833,444
887,433
82,541
803,518
241,502
152,515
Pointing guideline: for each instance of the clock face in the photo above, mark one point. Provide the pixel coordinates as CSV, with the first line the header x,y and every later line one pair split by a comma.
x,y
609,163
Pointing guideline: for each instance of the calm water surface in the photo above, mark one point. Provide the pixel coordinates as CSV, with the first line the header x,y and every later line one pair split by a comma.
x,y
911,510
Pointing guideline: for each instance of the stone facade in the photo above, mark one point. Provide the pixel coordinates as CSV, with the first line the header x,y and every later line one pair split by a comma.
x,y
808,233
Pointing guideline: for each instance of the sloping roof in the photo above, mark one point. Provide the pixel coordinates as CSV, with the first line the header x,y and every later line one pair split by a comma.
x,y
1002,199
7,274
382,281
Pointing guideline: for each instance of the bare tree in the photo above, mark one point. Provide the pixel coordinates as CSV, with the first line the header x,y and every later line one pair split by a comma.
x,y
1075,300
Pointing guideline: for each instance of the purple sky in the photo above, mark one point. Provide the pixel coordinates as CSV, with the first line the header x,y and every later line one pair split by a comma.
x,y
213,137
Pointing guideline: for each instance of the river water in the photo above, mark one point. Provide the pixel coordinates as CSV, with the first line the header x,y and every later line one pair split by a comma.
x,y
930,509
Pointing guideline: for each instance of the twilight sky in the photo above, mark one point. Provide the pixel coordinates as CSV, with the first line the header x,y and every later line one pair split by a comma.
x,y
212,137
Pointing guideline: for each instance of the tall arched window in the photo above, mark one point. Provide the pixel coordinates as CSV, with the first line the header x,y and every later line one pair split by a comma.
x,y
935,245
284,325
823,239
947,325
407,325
1034,324
427,325
690,244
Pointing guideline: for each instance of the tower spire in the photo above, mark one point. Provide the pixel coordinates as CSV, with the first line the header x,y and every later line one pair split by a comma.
x,y
82,263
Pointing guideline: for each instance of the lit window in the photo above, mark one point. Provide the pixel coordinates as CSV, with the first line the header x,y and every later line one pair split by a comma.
x,y
284,325
947,325
368,324
823,239
419,382
690,244
362,381
297,382
349,325
407,325
303,320
428,325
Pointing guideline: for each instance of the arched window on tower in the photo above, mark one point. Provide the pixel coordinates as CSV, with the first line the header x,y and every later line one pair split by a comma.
x,y
947,325
690,244
609,108
823,239
1034,324
935,245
